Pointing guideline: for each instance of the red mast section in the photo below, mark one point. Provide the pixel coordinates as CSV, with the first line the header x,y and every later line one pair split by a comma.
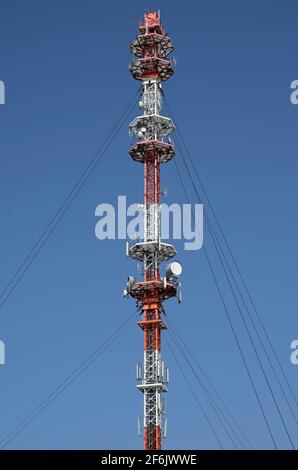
x,y
152,147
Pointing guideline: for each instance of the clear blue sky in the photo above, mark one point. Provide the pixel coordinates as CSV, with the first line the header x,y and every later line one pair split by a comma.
x,y
65,66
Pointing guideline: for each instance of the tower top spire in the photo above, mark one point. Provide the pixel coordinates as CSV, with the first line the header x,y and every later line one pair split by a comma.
x,y
151,23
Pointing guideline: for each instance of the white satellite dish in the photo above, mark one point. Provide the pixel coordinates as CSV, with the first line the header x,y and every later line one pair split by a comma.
x,y
174,269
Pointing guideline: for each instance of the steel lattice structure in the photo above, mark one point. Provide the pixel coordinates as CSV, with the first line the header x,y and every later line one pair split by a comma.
x,y
151,147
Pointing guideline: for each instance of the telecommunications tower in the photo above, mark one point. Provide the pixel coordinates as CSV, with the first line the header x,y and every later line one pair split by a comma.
x,y
151,146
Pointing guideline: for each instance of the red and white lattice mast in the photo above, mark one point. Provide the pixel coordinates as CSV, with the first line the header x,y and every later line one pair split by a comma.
x,y
151,147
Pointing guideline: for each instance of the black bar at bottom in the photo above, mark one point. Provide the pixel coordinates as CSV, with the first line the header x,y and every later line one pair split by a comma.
x,y
86,459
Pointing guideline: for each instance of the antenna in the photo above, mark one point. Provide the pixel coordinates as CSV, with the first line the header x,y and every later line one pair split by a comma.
x,y
139,371
165,428
139,426
167,375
